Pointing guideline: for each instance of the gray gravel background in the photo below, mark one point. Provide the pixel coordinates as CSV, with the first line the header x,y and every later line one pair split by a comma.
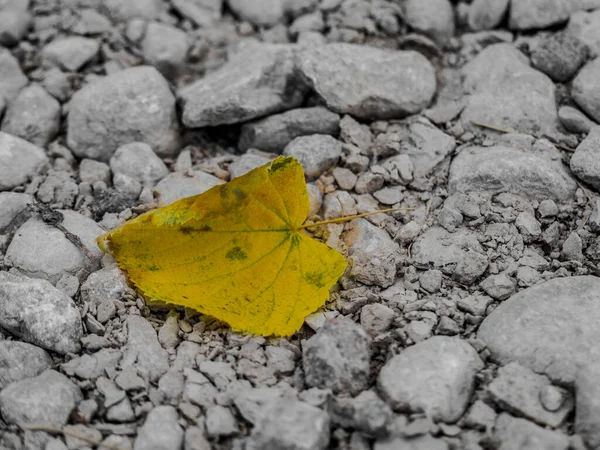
x,y
469,322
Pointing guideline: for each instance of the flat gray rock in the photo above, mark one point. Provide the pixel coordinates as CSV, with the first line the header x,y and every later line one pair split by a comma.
x,y
290,424
14,210
587,399
515,433
337,357
20,360
70,53
245,163
166,48
372,253
533,14
200,12
139,162
39,313
584,26
273,133
385,84
585,162
504,169
506,92
486,14
143,351
106,284
160,430
177,185
34,116
15,20
42,251
425,442
559,56
434,18
549,328
262,13
259,80
12,78
435,376
317,153
47,399
583,89
123,10
133,105
458,254
19,159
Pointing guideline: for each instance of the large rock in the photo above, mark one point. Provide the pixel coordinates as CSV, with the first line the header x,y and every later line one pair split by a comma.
x,y
273,133
257,81
585,26
70,53
39,313
337,357
434,18
14,21
12,78
19,159
19,360
504,169
585,162
384,84
47,399
43,251
457,254
34,116
263,13
435,376
534,14
550,328
584,89
160,430
506,92
133,105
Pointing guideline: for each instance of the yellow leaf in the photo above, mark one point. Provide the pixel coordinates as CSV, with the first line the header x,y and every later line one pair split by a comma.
x,y
237,252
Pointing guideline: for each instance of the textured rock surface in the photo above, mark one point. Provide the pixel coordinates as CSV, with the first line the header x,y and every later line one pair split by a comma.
x,y
19,160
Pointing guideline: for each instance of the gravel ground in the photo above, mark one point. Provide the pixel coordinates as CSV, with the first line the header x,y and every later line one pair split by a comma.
x,y
469,322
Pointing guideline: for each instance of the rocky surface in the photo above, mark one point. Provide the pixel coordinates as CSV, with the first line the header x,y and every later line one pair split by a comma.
x,y
466,319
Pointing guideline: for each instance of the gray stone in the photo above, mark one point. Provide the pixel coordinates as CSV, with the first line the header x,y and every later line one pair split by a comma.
x,y
14,210
390,195
12,78
376,318
129,380
385,84
72,433
593,220
337,357
200,12
416,443
220,422
14,21
371,415
587,400
514,433
203,394
262,13
584,162
559,56
518,390
133,105
58,189
123,10
34,116
435,18
431,280
177,185
584,25
503,169
160,430
166,48
121,412
409,231
499,286
435,376
548,328
369,182
70,53
218,372
91,22
245,163
583,89
574,120
506,92
47,399
317,153
171,386
105,285
138,161
486,14
253,403
273,133
480,416
91,367
19,360
280,359
42,251
572,248
91,171
456,254
39,313
143,351
57,84
532,14
195,440
257,81
372,253
19,159
168,335
355,133
290,424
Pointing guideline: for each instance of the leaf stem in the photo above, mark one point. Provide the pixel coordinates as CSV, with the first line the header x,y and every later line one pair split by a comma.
x,y
349,218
